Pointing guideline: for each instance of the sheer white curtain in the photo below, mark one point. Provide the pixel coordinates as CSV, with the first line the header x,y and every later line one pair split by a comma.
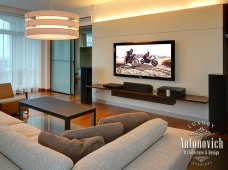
x,y
20,58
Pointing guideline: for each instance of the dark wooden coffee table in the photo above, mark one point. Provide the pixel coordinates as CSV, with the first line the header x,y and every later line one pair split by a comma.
x,y
59,108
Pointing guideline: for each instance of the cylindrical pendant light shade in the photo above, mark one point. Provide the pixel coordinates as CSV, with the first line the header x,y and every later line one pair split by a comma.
x,y
51,25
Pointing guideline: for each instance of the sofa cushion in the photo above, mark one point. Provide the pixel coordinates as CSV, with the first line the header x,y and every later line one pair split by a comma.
x,y
109,132
13,99
129,120
7,119
6,164
165,154
74,149
120,152
30,155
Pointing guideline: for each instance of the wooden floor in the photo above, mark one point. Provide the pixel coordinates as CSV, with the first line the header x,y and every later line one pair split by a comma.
x,y
104,110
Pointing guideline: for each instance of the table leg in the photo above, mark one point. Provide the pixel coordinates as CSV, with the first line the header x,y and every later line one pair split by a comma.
x,y
93,118
67,124
20,112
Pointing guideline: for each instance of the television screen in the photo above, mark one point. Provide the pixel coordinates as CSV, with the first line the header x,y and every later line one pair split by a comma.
x,y
155,60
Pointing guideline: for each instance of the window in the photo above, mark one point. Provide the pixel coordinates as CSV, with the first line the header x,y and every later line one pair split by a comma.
x,y
19,57
85,37
89,40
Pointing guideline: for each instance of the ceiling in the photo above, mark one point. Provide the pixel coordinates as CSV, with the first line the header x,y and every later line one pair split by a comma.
x,y
70,5
103,10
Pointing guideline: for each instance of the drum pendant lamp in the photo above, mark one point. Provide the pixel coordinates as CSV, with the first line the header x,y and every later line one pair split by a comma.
x,y
51,25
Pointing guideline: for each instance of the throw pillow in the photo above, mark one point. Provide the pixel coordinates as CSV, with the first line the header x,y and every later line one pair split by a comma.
x,y
74,149
129,120
108,131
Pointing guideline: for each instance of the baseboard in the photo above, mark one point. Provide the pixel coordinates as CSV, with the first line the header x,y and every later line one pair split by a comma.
x,y
159,112
43,90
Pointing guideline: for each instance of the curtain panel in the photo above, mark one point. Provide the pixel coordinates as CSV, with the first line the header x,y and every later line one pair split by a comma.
x,y
20,58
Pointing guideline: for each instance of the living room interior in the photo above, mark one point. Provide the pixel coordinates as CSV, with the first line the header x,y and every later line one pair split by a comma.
x,y
57,86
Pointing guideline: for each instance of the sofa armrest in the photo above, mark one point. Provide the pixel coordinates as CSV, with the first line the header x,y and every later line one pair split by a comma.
x,y
29,155
8,120
119,153
13,99
11,105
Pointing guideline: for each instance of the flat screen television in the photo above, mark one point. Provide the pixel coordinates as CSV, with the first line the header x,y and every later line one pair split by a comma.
x,y
151,60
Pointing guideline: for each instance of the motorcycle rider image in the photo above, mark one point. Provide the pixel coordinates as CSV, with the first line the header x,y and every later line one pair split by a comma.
x,y
131,58
128,56
147,59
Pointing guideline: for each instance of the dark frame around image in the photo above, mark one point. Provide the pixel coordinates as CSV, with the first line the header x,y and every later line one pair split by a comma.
x,y
149,60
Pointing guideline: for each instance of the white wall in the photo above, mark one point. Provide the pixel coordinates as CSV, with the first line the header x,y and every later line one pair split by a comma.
x,y
198,36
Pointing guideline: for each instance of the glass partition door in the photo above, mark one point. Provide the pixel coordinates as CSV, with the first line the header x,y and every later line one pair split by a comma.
x,y
62,66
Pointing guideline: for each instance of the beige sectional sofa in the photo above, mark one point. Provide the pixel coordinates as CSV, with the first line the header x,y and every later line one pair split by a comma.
x,y
151,145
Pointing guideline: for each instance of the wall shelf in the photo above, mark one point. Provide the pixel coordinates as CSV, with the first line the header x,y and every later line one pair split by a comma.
x,y
152,97
196,99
